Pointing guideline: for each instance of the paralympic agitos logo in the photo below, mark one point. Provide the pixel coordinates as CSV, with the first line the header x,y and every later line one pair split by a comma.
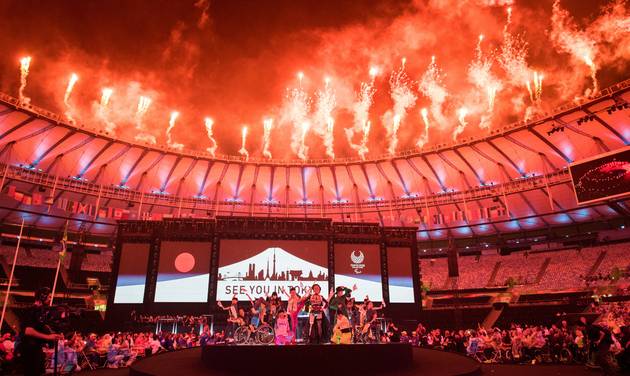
x,y
357,264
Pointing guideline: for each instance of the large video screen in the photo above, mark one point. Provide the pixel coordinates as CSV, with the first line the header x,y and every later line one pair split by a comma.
x,y
605,176
260,267
359,265
132,273
183,272
399,273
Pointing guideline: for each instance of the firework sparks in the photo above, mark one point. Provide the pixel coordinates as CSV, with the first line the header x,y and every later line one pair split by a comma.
x,y
425,136
566,36
209,123
243,151
267,125
361,109
432,86
403,98
462,112
103,110
143,107
297,106
25,64
325,123
171,125
66,97
480,75
512,55
534,88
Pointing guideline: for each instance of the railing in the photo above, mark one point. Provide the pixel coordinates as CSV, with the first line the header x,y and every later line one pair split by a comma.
x,y
114,192
575,105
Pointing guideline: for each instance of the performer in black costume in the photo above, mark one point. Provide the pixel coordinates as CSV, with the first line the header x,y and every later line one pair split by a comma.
x,y
34,333
316,317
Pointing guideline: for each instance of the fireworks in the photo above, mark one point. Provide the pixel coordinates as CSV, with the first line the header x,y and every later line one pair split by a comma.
x,y
66,97
535,92
480,75
361,109
267,125
403,98
566,36
325,123
143,107
297,106
513,55
425,136
498,85
462,112
243,151
171,125
103,110
208,122
432,86
25,64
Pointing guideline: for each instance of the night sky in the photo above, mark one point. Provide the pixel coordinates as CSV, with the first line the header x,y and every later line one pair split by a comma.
x,y
234,59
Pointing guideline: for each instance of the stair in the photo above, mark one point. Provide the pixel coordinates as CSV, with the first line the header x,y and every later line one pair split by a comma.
x,y
493,315
598,262
543,270
494,273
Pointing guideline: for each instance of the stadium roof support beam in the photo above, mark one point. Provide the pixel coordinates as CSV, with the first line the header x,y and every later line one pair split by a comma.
x,y
52,147
552,146
18,126
170,173
95,157
133,167
252,195
495,147
272,174
146,172
606,125
202,187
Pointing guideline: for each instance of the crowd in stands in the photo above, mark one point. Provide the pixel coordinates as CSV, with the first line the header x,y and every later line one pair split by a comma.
x,y
565,269
605,342
110,350
101,262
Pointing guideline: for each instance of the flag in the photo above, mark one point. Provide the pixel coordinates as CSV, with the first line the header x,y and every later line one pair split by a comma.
x,y
64,241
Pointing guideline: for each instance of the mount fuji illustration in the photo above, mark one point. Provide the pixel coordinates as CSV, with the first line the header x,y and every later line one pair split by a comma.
x,y
273,264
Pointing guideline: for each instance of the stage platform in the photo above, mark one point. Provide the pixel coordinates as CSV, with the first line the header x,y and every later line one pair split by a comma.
x,y
305,360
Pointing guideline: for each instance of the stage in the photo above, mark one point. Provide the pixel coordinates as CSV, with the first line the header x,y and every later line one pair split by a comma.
x,y
306,359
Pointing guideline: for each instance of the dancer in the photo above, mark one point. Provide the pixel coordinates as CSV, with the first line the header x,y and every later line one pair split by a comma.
x,y
342,332
233,319
282,329
339,301
316,316
294,306
259,312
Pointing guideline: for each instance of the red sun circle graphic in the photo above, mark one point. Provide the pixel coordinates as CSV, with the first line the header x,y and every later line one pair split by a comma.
x,y
184,262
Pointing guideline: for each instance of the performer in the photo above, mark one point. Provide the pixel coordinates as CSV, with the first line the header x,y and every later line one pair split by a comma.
x,y
274,304
35,333
342,332
259,312
294,306
339,301
371,325
233,320
282,330
316,316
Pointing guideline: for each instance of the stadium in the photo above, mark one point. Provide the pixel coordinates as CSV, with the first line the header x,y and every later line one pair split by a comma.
x,y
486,228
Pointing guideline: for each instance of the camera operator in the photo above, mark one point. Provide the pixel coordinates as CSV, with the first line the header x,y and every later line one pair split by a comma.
x,y
35,333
